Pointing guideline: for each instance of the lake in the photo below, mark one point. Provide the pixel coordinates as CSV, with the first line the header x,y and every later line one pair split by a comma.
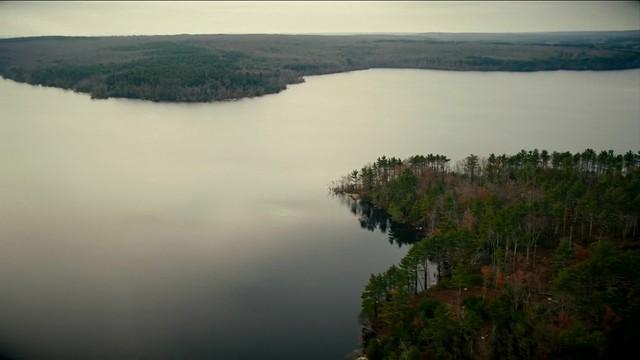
x,y
147,230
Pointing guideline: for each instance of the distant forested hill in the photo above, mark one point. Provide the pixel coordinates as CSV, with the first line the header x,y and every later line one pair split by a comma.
x,y
200,68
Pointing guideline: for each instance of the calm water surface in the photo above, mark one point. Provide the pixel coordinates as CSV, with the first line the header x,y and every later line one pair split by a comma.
x,y
136,229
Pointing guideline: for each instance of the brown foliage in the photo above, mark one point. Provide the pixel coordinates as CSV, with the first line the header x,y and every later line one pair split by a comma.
x,y
563,320
417,323
610,318
468,220
487,272
500,280
581,252
467,192
518,278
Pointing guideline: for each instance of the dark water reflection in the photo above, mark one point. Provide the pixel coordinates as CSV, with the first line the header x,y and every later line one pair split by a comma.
x,y
372,218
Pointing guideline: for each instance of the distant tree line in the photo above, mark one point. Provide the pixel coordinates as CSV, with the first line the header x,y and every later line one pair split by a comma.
x,y
208,68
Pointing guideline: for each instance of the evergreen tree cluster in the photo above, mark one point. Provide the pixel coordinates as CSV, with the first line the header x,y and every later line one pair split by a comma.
x,y
538,256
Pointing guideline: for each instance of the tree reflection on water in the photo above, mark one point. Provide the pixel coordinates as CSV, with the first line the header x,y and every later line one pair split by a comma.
x,y
372,218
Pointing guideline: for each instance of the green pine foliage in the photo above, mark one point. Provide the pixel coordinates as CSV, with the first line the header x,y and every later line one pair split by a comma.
x,y
538,256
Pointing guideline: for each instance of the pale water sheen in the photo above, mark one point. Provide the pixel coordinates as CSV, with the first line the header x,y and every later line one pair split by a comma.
x,y
131,228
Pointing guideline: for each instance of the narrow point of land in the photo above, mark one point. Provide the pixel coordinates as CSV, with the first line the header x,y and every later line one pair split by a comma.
x,y
537,256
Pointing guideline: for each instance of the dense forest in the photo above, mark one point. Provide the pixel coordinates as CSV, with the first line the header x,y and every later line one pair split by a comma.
x,y
538,256
200,68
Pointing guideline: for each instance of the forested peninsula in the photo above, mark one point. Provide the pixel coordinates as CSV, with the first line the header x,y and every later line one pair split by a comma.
x,y
202,68
537,253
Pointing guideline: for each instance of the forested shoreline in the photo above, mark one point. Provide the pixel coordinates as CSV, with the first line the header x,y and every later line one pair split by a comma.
x,y
538,256
202,68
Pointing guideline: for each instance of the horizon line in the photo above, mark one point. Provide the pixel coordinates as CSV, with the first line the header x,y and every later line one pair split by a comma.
x,y
341,33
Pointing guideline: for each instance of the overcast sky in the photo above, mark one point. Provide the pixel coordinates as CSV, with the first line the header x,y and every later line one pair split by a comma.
x,y
126,18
